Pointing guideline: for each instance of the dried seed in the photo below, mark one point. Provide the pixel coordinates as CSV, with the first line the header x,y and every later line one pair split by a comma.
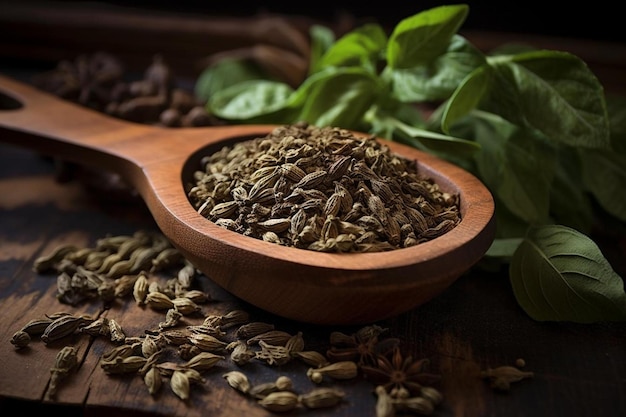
x,y
123,365
140,289
159,301
180,384
108,262
274,225
62,327
124,284
311,180
249,330
273,355
36,327
203,361
384,403
99,327
153,380
237,380
432,394
417,405
240,354
338,370
65,362
295,343
149,346
311,358
20,339
123,351
292,172
224,210
272,337
185,306
116,332
47,262
280,401
166,258
322,398
260,391
207,342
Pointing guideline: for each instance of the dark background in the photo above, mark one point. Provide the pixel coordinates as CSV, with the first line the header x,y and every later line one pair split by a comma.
x,y
598,20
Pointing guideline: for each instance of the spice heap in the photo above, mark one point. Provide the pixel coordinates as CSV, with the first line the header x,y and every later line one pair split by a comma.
x,y
322,189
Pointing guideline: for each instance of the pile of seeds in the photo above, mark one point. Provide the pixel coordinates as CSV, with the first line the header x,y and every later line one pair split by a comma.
x,y
183,354
322,189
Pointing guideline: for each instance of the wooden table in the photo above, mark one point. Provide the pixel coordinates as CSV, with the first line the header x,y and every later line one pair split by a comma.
x,y
578,370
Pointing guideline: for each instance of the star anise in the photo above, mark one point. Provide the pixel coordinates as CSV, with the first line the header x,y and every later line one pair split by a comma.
x,y
362,347
395,372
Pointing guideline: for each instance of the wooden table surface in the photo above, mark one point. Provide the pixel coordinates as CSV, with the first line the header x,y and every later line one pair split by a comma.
x,y
578,369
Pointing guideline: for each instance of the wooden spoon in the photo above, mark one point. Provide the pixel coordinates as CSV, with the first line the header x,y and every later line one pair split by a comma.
x,y
303,285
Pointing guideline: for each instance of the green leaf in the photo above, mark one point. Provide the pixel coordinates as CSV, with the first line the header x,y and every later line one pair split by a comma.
x,y
419,39
360,47
439,79
504,248
252,101
570,204
616,107
559,274
223,74
516,166
437,142
552,92
604,175
322,38
337,97
467,96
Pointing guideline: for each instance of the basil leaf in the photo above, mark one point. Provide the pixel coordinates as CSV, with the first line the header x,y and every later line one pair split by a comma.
x,y
516,166
439,79
252,101
322,38
553,92
419,39
467,96
604,175
337,97
437,142
570,203
616,107
503,248
559,274
360,47
508,225
223,74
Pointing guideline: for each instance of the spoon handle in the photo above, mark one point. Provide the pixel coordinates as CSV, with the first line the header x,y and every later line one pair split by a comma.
x,y
35,119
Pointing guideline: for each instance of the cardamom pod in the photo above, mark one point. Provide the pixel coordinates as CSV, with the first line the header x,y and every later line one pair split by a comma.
x,y
65,362
237,380
279,401
322,398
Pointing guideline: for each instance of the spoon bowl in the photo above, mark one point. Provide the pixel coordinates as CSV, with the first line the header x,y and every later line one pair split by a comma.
x,y
298,284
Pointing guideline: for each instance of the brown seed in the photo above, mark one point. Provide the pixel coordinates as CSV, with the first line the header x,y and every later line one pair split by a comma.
x,y
322,398
20,339
180,384
66,361
237,380
280,401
